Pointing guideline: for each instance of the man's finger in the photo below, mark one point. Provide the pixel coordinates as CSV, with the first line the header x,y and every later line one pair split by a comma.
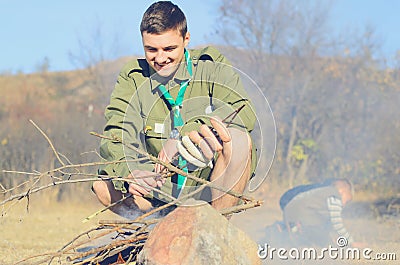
x,y
211,138
195,137
149,181
192,149
136,189
189,158
202,143
221,129
158,167
159,183
166,154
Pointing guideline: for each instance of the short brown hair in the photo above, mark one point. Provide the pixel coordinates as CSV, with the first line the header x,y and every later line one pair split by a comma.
x,y
344,184
163,16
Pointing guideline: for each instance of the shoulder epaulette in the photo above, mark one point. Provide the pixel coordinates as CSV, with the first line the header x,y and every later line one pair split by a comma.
x,y
208,53
136,66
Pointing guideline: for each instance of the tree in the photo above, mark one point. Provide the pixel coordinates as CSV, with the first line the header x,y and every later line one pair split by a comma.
x,y
284,37
325,95
95,48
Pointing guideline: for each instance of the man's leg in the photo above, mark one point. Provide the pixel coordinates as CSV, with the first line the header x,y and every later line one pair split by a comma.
x,y
130,207
232,169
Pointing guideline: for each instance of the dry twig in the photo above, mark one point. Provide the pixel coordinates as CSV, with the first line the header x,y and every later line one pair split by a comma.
x,y
133,233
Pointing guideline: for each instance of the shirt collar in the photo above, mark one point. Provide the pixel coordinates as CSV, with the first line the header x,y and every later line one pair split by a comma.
x,y
180,76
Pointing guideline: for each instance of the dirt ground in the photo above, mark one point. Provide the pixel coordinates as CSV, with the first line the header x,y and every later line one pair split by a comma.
x,y
49,226
381,235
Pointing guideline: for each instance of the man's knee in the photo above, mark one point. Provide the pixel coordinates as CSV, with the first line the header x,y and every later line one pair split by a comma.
x,y
102,190
98,187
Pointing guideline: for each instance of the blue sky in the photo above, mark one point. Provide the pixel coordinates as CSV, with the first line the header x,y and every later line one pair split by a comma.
x,y
33,30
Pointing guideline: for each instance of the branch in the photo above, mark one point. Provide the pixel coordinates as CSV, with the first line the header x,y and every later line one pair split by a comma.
x,y
2,187
135,232
175,169
241,207
107,247
73,166
106,208
34,190
48,140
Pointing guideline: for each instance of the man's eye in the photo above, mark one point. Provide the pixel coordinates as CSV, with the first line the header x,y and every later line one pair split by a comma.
x,y
169,49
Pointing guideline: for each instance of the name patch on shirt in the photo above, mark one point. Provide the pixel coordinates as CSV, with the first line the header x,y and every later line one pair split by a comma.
x,y
159,128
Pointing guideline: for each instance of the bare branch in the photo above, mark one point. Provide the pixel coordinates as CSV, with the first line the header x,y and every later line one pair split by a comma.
x,y
134,232
2,187
175,169
106,208
48,140
35,190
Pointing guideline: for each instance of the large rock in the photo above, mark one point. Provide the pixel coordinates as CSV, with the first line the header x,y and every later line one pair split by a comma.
x,y
198,235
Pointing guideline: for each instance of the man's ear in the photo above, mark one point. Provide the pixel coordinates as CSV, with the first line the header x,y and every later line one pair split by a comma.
x,y
186,39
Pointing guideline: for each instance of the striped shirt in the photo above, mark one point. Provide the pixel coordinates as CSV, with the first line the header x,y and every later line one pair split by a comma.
x,y
318,211
335,208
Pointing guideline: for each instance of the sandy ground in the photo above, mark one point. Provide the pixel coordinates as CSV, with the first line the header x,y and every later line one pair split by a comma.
x,y
49,226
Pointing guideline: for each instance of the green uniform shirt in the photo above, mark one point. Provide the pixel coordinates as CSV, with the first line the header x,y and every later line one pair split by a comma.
x,y
138,114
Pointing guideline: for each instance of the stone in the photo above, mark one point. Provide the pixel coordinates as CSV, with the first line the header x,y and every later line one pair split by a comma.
x,y
197,234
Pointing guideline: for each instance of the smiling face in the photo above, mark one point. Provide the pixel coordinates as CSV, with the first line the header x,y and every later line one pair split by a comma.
x,y
164,52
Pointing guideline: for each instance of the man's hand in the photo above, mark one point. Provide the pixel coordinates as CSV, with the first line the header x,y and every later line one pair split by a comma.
x,y
166,154
207,140
198,148
191,153
143,182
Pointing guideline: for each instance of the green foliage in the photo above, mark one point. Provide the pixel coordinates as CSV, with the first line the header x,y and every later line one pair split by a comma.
x,y
308,143
298,153
303,148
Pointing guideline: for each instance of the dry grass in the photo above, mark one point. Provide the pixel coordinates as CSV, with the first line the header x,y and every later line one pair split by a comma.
x,y
49,226
45,228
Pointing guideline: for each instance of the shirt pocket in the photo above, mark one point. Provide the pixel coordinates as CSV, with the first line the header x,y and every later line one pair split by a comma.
x,y
154,133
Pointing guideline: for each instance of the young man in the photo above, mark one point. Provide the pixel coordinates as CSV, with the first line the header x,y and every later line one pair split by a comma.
x,y
290,194
171,105
314,216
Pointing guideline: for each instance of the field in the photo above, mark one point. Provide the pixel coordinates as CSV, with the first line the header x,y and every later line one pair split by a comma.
x,y
48,226
45,228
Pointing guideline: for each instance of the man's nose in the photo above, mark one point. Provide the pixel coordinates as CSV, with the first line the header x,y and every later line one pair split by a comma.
x,y
160,57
